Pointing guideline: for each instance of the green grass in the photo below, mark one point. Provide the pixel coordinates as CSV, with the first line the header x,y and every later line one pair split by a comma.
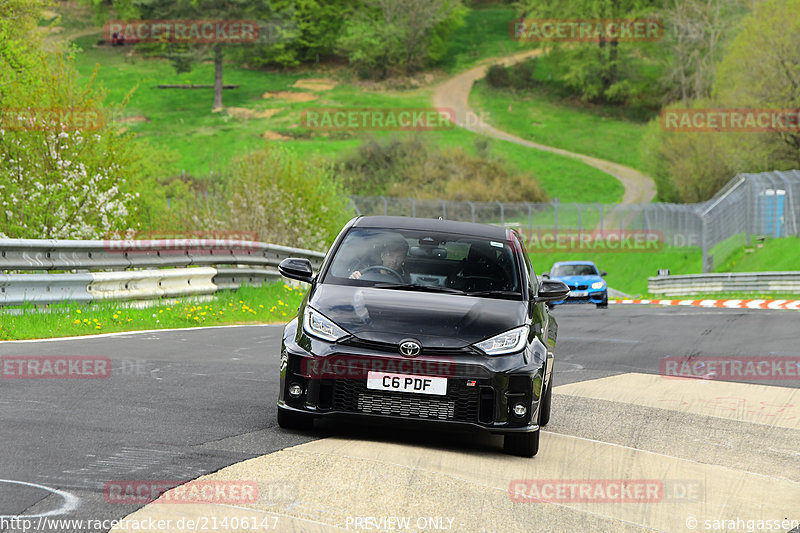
x,y
248,305
538,116
628,271
485,34
774,255
181,121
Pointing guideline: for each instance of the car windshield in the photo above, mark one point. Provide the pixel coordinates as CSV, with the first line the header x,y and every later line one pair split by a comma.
x,y
561,271
424,260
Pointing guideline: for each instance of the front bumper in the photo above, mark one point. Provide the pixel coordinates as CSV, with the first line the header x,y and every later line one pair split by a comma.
x,y
481,391
593,296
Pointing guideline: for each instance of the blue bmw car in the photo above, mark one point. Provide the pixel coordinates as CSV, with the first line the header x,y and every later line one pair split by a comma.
x,y
586,283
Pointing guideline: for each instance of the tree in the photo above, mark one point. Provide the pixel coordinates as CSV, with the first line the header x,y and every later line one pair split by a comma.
x,y
381,34
762,69
183,55
696,33
598,71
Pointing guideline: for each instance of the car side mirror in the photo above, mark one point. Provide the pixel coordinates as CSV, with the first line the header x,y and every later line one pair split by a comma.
x,y
546,275
297,268
603,273
552,290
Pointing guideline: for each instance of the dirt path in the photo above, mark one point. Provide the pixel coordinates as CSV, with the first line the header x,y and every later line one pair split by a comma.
x,y
454,94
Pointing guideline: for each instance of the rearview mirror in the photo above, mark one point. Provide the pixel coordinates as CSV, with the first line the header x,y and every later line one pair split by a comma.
x,y
297,268
552,290
603,273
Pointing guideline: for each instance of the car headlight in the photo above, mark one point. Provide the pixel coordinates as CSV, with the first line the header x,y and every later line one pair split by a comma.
x,y
318,325
509,342
598,284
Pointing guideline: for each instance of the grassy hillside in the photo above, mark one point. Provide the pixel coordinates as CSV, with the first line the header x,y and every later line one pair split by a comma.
x,y
628,272
180,121
540,117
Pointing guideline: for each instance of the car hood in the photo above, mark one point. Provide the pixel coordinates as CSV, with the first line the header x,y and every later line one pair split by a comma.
x,y
436,320
579,280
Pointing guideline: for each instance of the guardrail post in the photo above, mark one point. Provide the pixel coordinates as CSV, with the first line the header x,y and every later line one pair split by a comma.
x,y
444,210
502,214
472,209
414,207
385,205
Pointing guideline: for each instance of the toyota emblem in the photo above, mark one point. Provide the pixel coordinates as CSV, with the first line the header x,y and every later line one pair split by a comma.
x,y
410,348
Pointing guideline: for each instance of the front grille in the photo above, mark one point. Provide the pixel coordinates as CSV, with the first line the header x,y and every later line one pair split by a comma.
x,y
578,287
460,404
411,407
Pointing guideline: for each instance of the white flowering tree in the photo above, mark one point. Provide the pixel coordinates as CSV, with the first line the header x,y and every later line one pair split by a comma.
x,y
61,185
63,165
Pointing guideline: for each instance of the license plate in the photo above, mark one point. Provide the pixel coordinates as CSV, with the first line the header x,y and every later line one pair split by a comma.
x,y
578,294
407,383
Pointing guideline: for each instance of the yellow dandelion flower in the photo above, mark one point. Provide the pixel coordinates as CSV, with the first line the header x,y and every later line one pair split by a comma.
x,y
77,321
115,317
280,302
160,311
202,313
97,327
284,314
130,320
169,309
261,306
241,301
78,311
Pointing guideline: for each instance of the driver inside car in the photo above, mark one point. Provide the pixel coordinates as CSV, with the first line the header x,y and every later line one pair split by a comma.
x,y
393,257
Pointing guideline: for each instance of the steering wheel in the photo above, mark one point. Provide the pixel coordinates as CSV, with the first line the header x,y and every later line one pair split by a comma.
x,y
381,267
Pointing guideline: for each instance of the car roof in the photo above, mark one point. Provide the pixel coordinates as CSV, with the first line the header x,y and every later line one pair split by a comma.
x,y
448,226
574,263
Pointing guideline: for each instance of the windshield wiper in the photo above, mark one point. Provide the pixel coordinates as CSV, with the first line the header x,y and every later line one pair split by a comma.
x,y
417,287
493,293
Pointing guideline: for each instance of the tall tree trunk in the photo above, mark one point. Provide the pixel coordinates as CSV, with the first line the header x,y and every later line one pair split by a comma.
x,y
217,78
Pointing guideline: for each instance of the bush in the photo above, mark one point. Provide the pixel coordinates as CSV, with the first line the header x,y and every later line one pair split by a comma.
x,y
415,167
497,77
281,198
521,74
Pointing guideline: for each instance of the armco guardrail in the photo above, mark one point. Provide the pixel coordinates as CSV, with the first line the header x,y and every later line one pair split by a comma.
x,y
134,269
755,282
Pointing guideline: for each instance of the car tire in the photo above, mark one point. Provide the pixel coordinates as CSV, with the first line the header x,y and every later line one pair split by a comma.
x,y
290,420
521,444
603,304
544,409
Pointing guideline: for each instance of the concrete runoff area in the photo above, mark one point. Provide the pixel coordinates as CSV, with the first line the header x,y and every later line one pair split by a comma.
x,y
341,482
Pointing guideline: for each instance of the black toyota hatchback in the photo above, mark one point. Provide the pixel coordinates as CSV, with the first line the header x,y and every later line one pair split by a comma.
x,y
423,320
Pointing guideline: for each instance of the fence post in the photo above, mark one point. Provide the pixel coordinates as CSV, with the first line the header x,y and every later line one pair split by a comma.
x,y
472,209
602,216
502,214
530,218
554,203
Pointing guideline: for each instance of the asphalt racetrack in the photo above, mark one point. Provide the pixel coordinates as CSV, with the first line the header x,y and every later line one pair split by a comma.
x,y
179,405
